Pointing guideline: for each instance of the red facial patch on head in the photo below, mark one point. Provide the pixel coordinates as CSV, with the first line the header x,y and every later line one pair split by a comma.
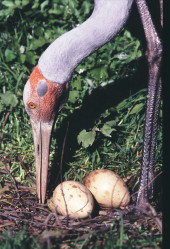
x,y
46,105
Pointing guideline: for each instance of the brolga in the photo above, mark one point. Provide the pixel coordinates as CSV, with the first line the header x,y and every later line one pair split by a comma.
x,y
46,89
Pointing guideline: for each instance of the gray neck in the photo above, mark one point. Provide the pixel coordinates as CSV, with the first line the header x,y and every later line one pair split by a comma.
x,y
59,60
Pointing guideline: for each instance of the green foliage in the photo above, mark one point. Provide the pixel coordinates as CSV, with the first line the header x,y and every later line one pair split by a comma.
x,y
7,100
20,240
118,235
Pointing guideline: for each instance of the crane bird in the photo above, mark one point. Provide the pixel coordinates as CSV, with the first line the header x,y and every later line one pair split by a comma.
x,y
45,91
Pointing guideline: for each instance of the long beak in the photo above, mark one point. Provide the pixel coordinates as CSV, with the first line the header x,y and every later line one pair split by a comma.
x,y
42,135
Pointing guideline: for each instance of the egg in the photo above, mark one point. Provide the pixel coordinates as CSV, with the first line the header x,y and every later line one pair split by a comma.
x,y
73,199
108,188
50,204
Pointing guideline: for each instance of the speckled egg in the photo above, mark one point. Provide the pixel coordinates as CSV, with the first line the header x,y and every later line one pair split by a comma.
x,y
73,199
108,188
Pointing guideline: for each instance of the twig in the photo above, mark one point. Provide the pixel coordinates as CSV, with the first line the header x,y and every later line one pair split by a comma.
x,y
61,165
4,122
156,219
161,12
148,183
58,222
23,166
9,174
62,153
149,210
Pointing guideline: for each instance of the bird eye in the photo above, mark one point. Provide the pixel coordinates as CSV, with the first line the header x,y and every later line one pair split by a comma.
x,y
31,105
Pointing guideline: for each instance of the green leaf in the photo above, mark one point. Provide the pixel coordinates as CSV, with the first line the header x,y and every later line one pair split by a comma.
x,y
122,105
103,73
73,96
9,55
8,4
25,2
8,99
111,123
161,113
99,73
37,43
18,3
1,107
31,58
86,138
107,130
22,58
36,4
137,108
44,4
95,73
113,64
56,11
105,114
77,83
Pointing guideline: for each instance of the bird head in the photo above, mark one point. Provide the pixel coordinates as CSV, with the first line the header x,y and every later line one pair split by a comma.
x,y
43,99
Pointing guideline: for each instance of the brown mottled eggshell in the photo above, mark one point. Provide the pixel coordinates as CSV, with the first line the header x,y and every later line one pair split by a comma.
x,y
73,199
108,188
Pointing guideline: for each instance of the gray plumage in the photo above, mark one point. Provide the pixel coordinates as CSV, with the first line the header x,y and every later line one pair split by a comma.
x,y
59,60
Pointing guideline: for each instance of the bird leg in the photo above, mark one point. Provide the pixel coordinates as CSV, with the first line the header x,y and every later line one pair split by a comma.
x,y
154,58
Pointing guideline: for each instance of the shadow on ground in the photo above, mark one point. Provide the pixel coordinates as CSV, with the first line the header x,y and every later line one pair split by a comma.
x,y
93,105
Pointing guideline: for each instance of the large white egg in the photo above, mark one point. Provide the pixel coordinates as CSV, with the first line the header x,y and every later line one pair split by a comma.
x,y
73,199
108,188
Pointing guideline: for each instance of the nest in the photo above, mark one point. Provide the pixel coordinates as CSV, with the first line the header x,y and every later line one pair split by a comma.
x,y
19,208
